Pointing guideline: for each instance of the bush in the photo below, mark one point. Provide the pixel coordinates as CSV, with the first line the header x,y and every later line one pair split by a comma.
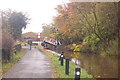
x,y
7,46
90,44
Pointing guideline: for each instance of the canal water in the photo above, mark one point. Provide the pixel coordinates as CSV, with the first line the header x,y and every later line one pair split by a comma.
x,y
96,65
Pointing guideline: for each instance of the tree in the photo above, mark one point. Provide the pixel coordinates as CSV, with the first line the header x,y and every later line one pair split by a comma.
x,y
93,25
7,46
48,29
17,22
30,35
13,22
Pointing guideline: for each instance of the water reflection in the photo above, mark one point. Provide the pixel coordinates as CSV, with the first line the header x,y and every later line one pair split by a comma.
x,y
98,66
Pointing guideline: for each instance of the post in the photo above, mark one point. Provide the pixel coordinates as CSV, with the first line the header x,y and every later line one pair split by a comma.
x,y
67,66
77,73
62,57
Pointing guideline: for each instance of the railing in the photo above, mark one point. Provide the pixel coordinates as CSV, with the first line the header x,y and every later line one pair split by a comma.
x,y
17,48
6,54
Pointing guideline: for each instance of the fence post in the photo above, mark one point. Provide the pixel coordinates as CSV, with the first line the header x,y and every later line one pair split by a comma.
x,y
77,73
67,66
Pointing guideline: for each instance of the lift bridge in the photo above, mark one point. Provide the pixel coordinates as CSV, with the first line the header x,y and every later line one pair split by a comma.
x,y
49,44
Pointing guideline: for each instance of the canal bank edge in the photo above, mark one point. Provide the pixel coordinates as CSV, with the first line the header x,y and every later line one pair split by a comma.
x,y
59,71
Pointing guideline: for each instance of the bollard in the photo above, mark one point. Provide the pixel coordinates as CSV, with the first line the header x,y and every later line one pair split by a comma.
x,y
67,66
77,73
61,59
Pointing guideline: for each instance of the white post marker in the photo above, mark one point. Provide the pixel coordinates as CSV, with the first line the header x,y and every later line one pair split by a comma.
x,y
61,55
77,73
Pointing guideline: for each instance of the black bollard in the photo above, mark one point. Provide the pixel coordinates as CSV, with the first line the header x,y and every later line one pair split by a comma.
x,y
67,66
77,73
62,57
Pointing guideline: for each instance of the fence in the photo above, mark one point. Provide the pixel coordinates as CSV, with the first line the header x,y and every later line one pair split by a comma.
x,y
17,48
6,54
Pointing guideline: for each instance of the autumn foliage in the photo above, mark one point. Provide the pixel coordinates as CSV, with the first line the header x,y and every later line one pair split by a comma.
x,y
7,46
12,24
92,27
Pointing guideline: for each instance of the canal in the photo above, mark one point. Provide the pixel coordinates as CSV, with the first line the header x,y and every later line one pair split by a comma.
x,y
97,65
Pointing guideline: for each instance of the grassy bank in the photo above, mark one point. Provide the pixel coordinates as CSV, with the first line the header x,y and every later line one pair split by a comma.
x,y
13,61
59,71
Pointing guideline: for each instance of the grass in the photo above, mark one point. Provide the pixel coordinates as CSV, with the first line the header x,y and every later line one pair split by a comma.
x,y
8,65
59,71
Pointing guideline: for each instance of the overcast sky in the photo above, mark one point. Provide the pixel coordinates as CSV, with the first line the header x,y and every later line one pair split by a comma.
x,y
40,11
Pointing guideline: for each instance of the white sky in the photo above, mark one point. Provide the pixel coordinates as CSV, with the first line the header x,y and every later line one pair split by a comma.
x,y
40,11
